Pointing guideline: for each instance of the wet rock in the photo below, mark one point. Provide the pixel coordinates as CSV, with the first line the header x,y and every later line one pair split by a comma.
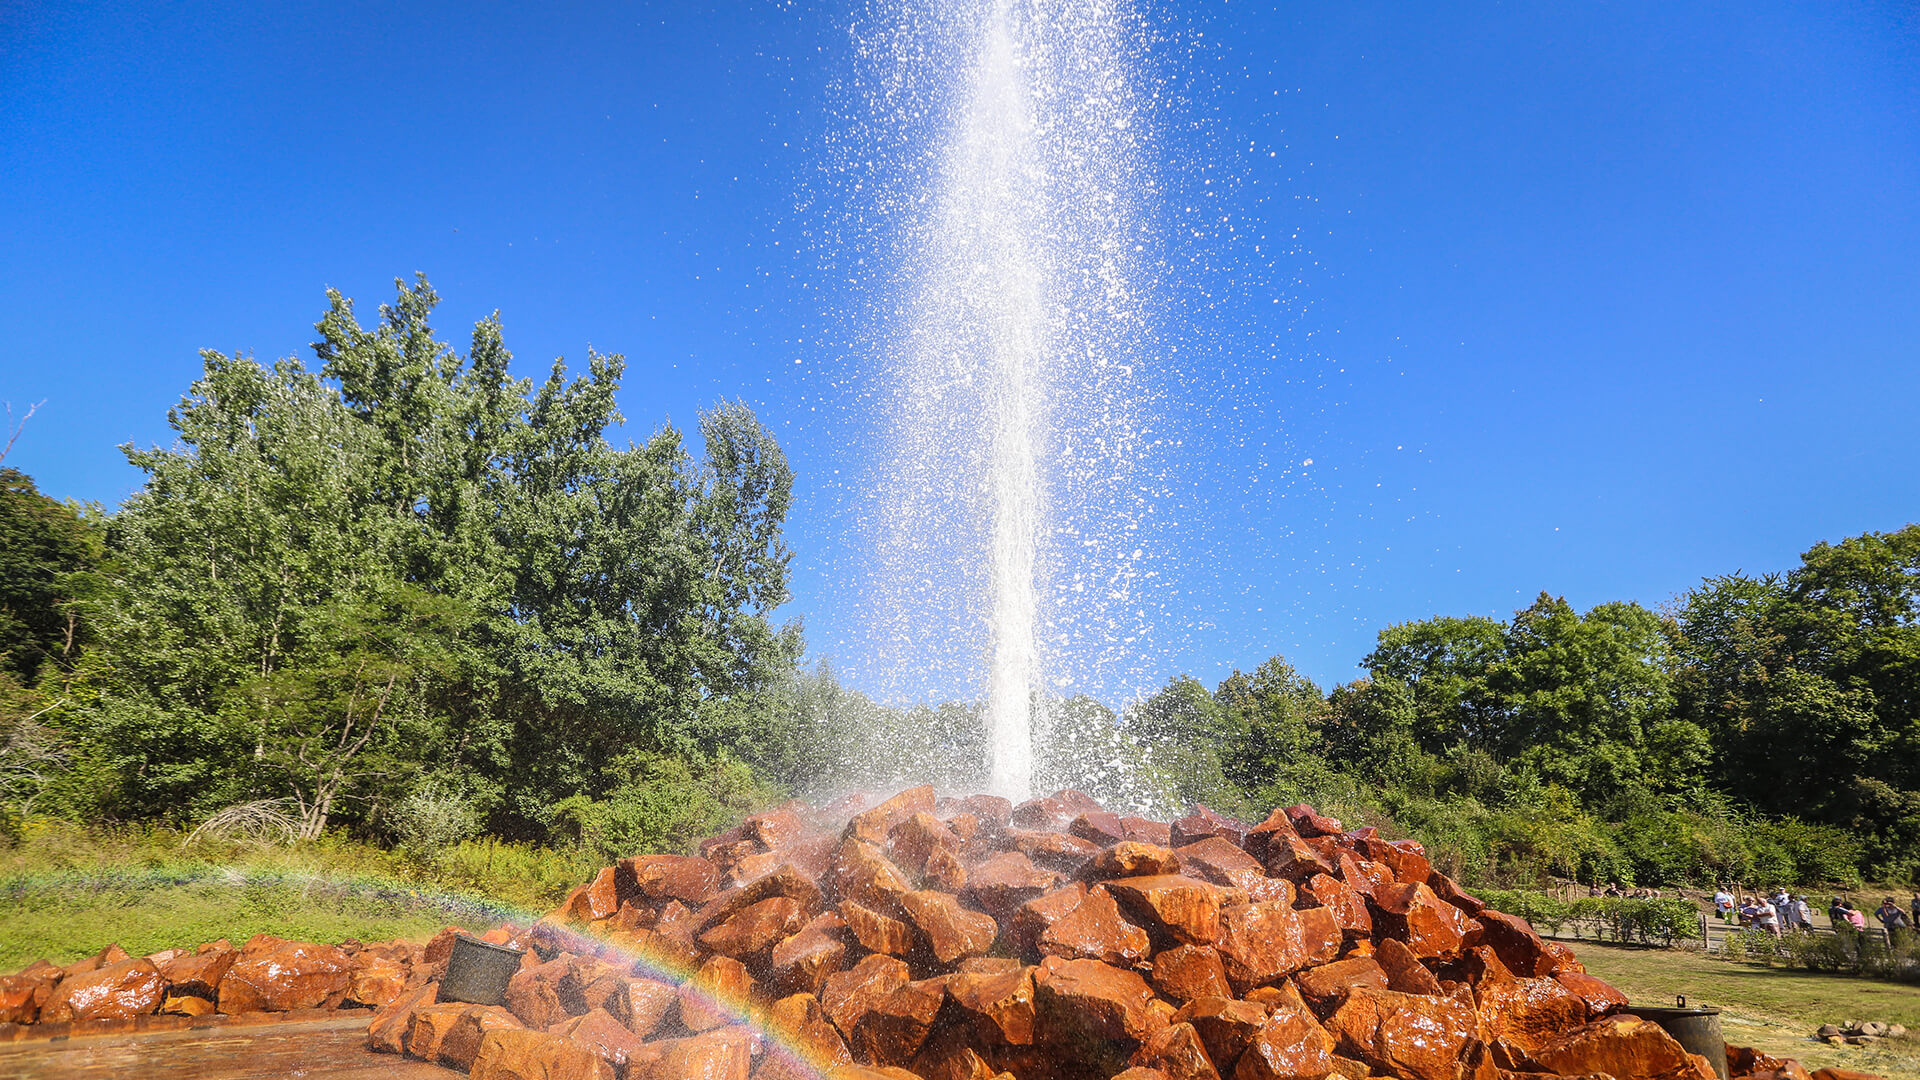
x,y
1004,882
1042,812
1099,827
1030,920
1261,837
806,1039
1447,889
717,995
294,975
914,840
427,1028
1405,972
1294,859
112,954
533,994
802,962
950,931
996,1007
522,1054
862,874
872,826
1526,1012
1226,1026
1349,907
1522,950
594,900
1262,942
890,1029
1418,1038
659,878
945,871
1429,926
1141,1072
199,974
1601,998
1147,831
876,932
1622,1046
1130,858
994,813
599,1031
946,1055
1177,1051
1406,858
1095,930
755,929
24,993
1290,1045
1326,986
1309,822
1052,850
1363,875
1217,860
118,991
786,880
847,995
641,1005
1086,999
1185,909
387,1032
459,1042
776,828
1202,823
1186,972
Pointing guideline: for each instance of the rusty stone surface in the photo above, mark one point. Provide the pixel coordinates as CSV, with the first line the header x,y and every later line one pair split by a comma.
x,y
776,828
120,990
294,975
461,1040
1095,930
684,878
1405,972
1053,850
876,932
1089,999
600,1032
1177,1051
1527,1012
524,1054
800,963
1601,998
1621,1046
533,994
872,826
1415,1037
1428,925
992,811
427,1028
1294,859
944,870
24,993
716,995
1262,942
387,1032
1099,827
1029,922
1326,986
1148,831
889,1029
1216,859
950,931
1406,858
1290,1045
1186,972
596,899
998,1007
1131,858
846,995
915,839
198,974
1005,881
1261,837
1186,909
1309,822
1349,907
1226,1026
863,874
756,928
374,981
1202,823
1522,950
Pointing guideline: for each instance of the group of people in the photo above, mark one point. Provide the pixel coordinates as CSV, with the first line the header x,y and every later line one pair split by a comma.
x,y
1784,913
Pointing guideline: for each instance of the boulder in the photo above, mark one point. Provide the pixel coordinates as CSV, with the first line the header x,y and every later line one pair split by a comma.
x,y
949,930
996,1007
717,995
24,993
1429,926
992,811
533,994
1202,823
1147,831
1326,986
1005,881
1186,972
1262,942
1294,859
945,871
1405,972
800,963
1078,1000
1522,951
1349,907
660,878
872,826
523,1054
595,900
1053,850
1215,859
1364,875
598,1030
1290,1045
1177,1051
776,828
916,838
387,1033
374,981
1310,823
1226,1026
459,1042
198,974
292,975
862,873
1601,997
889,1029
1622,1046
755,929
1411,1036
807,1039
1526,1012
1095,930
120,990
1099,827
846,995
1186,909
1029,922
1260,838
641,1005
1130,858
876,932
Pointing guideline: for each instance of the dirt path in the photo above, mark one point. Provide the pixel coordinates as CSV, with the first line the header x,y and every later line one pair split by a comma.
x,y
321,1050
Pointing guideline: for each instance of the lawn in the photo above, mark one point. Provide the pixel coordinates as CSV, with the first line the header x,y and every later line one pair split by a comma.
x,y
1769,1008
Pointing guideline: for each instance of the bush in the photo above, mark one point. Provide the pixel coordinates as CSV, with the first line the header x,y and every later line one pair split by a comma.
x,y
1620,918
432,818
667,805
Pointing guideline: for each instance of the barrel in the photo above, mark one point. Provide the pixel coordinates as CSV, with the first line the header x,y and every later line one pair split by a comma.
x,y
1696,1028
477,971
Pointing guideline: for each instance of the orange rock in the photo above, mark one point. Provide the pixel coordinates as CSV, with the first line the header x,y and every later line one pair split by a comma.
x,y
1326,986
1203,823
872,826
1310,823
120,990
1215,859
199,974
594,900
658,878
1406,858
598,1030
876,932
387,1032
861,873
803,961
998,1007
847,994
890,1029
295,975
1294,859
1260,839
1099,827
992,811
639,1004
914,840
1526,1012
946,1055
1004,882
1029,922
1449,890
373,982
1291,1045
1077,999
112,954
1042,812
1349,907
461,1040
523,1054
945,871
25,992
1186,909
1177,1051
1429,926
1095,930
787,881
1418,1038
1833,1073
1513,938
428,1026
1130,858
1405,972
777,828
1053,850
1186,972
951,931
804,1026
1364,875
1147,831
755,930
1600,996
1262,942
1622,1046
718,994
533,994
1226,1027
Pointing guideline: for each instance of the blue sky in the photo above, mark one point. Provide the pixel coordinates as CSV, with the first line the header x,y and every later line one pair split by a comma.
x,y
1593,298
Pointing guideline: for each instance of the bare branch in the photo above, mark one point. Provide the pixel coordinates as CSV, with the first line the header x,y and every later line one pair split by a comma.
x,y
13,433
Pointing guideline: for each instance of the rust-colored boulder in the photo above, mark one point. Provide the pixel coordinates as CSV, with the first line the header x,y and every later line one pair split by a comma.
x,y
1226,1026
1099,827
998,1007
950,931
1364,875
1406,858
1622,1046
948,1055
1428,925
1262,942
757,928
1294,859
24,993
1349,907
805,1040
660,878
594,900
1095,930
1405,972
524,1054
993,811
1290,1045
846,995
111,954
374,982
1147,831
296,975
872,826
460,1041
890,1029
1525,1012
1326,986
914,840
199,974
428,1026
639,1004
1449,890
1185,909
533,994
861,873
1309,822
1042,812
1130,858
800,963
1186,972
1177,1051
945,871
1004,882
598,1030
1215,859
1029,922
776,828
118,991
1203,823
1601,998
387,1032
876,932
1053,850
1086,999
718,994
1522,950
1260,838
787,880
1418,1038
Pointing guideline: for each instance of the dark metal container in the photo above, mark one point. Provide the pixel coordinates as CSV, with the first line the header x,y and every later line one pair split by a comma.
x,y
1696,1028
477,971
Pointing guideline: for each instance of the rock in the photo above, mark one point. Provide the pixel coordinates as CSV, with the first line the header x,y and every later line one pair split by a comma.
x,y
1405,972
776,828
1447,889
1202,823
876,932
523,1054
847,995
1291,1045
1827,1030
1226,1027
997,1007
24,993
428,1026
387,1033
641,1005
120,990
1086,999
1262,942
1052,850
1215,859
1095,930
1099,827
718,994
1130,858
199,974
1185,909
1429,926
917,838
599,1031
1622,1046
294,975
1364,875
872,826
1522,950
800,963
1147,831
807,1040
1406,858
1294,859
1042,812
1527,1012
1414,1037
667,877
950,931
1140,1072
785,881
1186,972
1261,837
1004,882
594,900
993,812
1029,922
1326,986
1601,997
1177,1051
861,873
757,928
533,994
459,1042
111,954
1310,823
1349,907
946,1055
945,871
890,1029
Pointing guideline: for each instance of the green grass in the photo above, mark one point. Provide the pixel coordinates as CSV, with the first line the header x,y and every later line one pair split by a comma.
x,y
1769,1008
67,891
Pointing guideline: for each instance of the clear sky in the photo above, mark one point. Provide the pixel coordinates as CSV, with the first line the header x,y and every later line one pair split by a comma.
x,y
1591,298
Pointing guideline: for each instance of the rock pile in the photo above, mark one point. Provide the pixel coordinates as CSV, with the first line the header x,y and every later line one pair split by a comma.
x,y
972,939
1859,1032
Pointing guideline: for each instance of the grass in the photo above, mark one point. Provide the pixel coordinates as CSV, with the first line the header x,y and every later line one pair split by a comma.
x,y
66,891
1768,1008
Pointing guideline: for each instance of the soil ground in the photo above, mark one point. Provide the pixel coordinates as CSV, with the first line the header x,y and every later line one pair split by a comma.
x,y
1767,1008
318,1050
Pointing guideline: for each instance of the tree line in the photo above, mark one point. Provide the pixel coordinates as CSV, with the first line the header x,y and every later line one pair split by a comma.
x,y
403,594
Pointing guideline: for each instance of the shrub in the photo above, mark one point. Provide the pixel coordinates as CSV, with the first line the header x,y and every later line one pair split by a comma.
x,y
432,818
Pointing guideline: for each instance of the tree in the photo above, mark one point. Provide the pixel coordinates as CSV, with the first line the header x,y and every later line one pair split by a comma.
x,y
1272,713
45,547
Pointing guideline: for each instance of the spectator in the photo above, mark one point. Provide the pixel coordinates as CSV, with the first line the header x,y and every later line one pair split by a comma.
x,y
1723,904
1767,917
1837,913
1856,918
1893,920
1803,913
1916,909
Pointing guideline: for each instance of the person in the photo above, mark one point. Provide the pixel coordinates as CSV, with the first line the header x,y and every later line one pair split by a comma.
x,y
1916,909
1856,918
1892,920
1767,917
1723,904
1803,914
